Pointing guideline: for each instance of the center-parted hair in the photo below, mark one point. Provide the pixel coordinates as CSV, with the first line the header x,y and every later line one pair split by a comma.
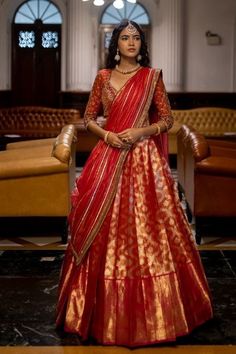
x,y
112,50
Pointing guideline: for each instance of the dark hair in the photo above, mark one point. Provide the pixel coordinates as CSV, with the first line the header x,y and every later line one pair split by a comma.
x,y
112,50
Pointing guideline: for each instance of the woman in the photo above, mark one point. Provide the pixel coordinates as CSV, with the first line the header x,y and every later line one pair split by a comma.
x,y
131,274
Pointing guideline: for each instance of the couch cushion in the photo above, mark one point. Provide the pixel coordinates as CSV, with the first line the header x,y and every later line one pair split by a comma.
x,y
217,166
30,143
25,153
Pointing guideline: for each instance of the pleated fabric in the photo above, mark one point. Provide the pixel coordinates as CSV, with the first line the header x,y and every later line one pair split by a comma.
x,y
142,281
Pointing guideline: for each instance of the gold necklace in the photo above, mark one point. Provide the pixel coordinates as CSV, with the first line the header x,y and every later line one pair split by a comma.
x,y
125,72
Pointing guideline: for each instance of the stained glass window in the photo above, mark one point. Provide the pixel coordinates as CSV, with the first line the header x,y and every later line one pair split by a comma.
x,y
43,10
50,39
26,39
134,12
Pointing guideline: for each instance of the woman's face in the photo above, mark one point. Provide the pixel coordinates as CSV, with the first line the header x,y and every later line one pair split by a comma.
x,y
129,42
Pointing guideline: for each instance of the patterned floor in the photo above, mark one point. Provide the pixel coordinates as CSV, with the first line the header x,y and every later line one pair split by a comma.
x,y
52,241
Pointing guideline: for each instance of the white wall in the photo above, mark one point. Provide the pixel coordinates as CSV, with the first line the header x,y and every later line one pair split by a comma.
x,y
210,68
203,67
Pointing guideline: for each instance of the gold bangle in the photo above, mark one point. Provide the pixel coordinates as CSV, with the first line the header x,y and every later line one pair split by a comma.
x,y
106,137
158,128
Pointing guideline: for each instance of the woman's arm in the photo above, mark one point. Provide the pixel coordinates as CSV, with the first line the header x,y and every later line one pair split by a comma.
x,y
92,109
161,102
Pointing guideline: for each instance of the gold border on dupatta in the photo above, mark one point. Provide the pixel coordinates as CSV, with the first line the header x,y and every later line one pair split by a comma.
x,y
110,197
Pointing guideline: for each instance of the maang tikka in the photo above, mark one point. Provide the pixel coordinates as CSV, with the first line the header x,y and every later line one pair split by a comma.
x,y
131,28
117,56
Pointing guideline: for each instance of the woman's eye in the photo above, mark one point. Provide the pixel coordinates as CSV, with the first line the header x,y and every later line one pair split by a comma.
x,y
135,38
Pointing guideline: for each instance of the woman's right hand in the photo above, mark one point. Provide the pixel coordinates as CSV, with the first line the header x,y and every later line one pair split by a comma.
x,y
114,141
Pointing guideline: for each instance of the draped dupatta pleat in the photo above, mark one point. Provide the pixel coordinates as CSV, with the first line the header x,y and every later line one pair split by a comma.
x,y
97,185
131,274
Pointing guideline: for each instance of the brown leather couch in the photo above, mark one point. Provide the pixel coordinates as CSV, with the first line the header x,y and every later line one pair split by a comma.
x,y
36,177
182,138
36,122
30,122
207,174
212,122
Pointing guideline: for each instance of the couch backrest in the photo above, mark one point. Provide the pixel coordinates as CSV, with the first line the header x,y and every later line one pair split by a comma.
x,y
211,121
33,121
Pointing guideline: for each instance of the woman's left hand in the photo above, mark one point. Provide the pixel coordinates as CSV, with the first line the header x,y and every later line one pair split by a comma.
x,y
131,135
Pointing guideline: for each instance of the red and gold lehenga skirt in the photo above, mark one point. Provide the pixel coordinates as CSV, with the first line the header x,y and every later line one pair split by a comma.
x,y
141,281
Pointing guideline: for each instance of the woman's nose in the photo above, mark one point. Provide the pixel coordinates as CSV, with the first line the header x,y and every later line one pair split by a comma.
x,y
131,41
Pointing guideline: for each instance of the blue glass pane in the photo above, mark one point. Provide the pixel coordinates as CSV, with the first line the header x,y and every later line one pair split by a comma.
x,y
43,5
33,6
137,10
129,9
25,12
50,13
50,39
111,18
120,12
20,18
54,18
134,12
142,19
44,10
26,39
106,18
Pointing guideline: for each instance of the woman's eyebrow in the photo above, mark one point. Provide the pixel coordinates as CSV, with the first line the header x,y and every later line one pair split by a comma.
x,y
127,35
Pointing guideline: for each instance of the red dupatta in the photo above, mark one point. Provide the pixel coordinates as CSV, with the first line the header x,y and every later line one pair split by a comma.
x,y
98,182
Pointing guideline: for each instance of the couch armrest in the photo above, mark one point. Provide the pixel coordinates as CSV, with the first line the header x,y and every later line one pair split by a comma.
x,y
62,146
198,145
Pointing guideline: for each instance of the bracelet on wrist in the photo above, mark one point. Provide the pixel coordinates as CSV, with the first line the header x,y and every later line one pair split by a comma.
x,y
106,137
158,128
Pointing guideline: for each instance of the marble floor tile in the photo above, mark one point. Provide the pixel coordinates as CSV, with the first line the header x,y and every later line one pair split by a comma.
x,y
28,294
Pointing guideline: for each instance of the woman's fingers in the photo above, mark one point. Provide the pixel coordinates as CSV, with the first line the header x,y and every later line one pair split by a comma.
x,y
129,136
122,140
126,137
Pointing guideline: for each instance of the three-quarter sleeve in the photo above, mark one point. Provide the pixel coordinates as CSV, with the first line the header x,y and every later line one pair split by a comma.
x,y
95,102
162,104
